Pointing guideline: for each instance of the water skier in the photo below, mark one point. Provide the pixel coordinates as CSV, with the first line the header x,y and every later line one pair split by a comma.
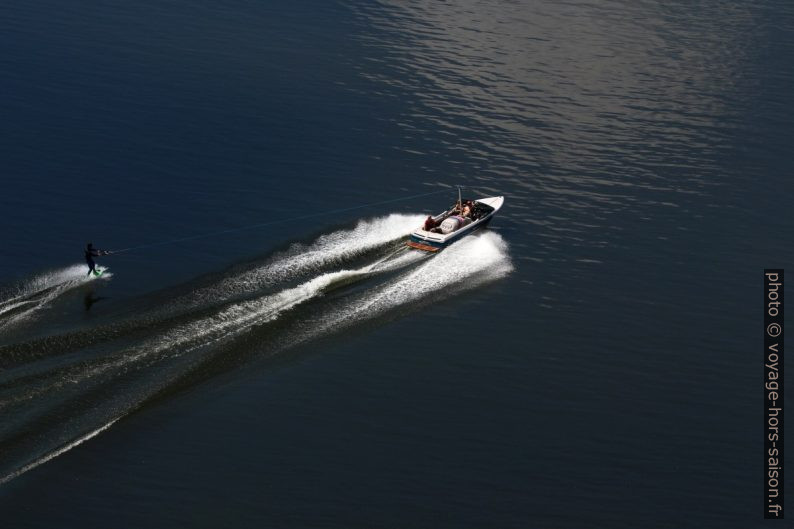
x,y
90,253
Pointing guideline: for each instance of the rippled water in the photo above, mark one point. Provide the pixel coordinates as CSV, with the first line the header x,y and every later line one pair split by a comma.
x,y
586,361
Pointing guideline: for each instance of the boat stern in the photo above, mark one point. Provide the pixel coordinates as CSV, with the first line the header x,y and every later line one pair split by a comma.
x,y
426,241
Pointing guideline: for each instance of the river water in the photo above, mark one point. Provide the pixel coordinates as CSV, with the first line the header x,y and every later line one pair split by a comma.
x,y
266,353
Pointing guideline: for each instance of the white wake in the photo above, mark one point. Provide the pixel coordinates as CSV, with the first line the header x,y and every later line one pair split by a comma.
x,y
299,259
22,301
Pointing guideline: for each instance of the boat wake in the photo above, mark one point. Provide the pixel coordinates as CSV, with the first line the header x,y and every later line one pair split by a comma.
x,y
22,301
58,391
299,261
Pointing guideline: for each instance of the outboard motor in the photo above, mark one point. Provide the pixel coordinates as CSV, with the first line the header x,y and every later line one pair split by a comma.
x,y
452,223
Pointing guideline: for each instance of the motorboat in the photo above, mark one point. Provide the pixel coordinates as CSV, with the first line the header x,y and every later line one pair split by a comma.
x,y
463,218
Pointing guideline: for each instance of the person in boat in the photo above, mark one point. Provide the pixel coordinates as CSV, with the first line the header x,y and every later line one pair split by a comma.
x,y
466,210
430,223
90,253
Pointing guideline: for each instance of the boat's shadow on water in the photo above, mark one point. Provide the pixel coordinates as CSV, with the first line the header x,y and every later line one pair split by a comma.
x,y
61,388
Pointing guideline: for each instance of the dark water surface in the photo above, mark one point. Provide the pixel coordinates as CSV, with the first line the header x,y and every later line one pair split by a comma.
x,y
591,360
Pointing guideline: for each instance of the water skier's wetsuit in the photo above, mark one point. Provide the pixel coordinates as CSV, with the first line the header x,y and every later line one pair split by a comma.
x,y
90,253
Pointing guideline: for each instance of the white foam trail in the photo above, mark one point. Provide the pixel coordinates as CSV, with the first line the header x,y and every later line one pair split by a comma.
x,y
327,250
468,263
59,451
38,284
39,291
241,316
231,321
180,341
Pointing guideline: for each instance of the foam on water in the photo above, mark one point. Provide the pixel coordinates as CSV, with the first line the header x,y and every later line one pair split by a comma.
x,y
21,301
55,453
466,264
334,248
56,401
232,320
39,283
327,250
